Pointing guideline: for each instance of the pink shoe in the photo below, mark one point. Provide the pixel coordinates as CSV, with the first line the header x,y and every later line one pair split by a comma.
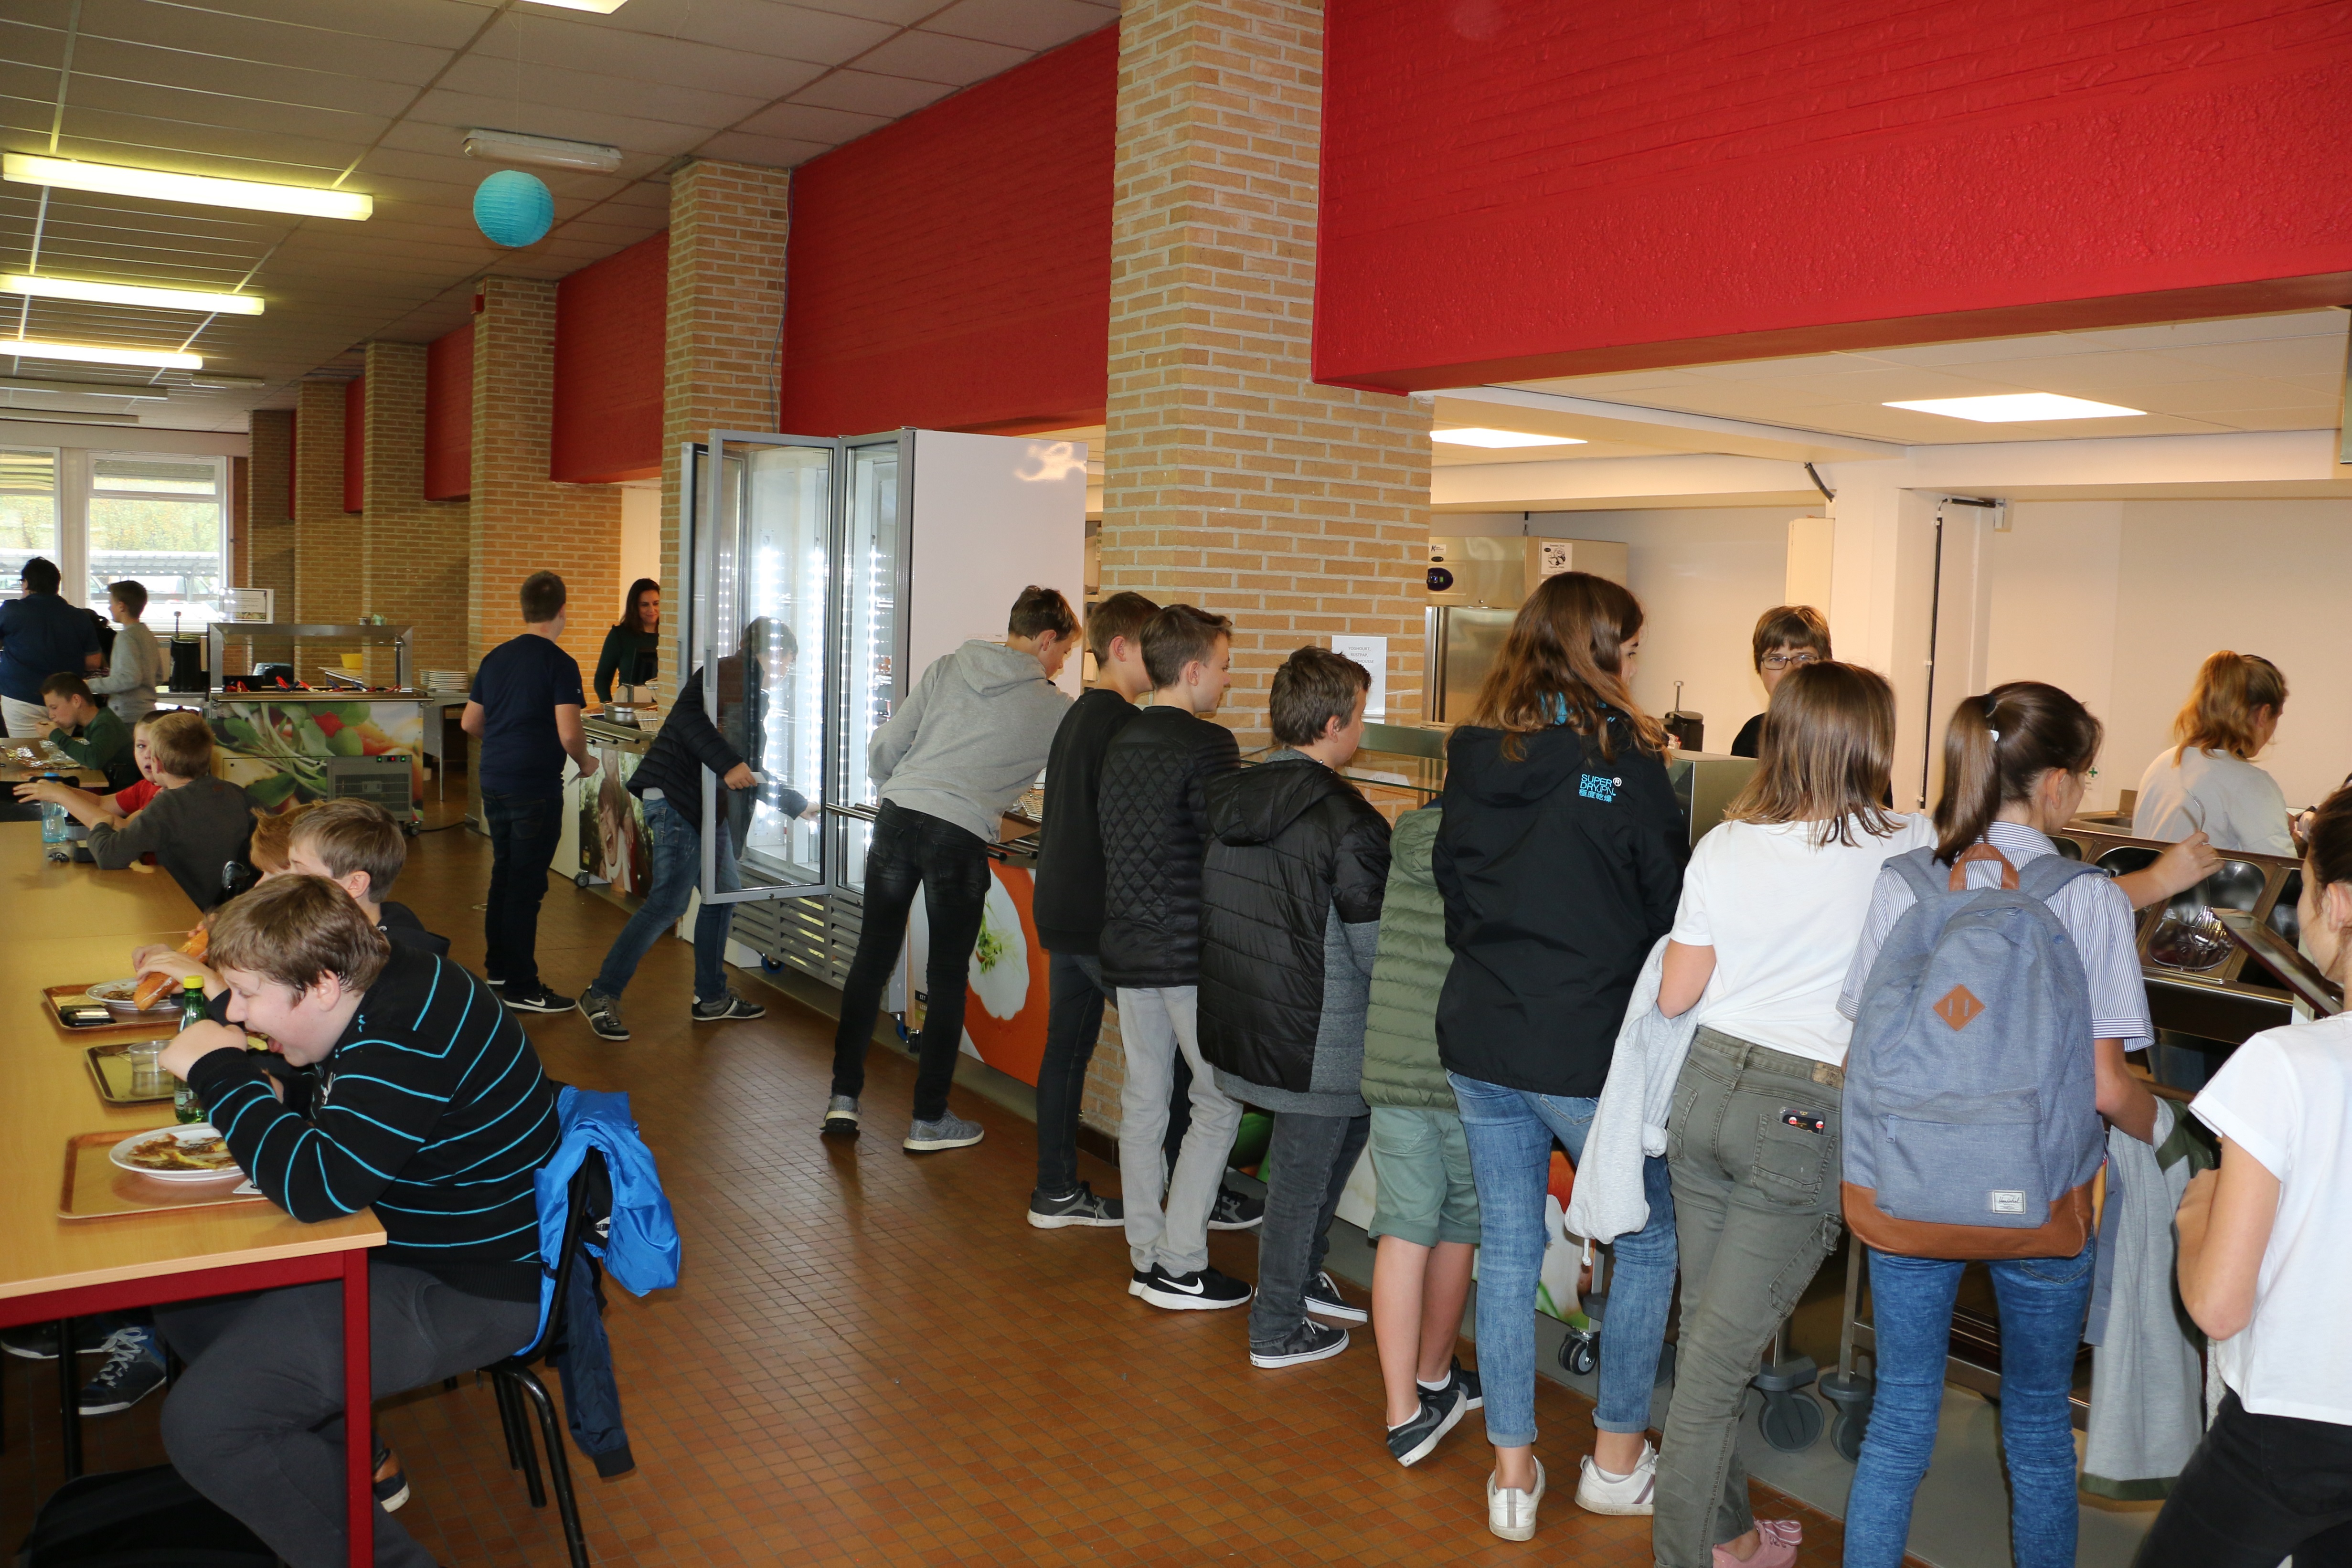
x,y
1792,1530
1772,1552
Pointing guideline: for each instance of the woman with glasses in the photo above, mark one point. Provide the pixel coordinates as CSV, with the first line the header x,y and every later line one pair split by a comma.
x,y
1788,637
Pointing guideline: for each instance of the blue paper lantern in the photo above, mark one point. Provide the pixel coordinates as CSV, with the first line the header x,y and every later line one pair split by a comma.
x,y
514,209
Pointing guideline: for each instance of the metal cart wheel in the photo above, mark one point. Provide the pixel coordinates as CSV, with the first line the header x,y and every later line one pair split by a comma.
x,y
1792,1420
583,879
1851,1393
1579,1352
1845,1437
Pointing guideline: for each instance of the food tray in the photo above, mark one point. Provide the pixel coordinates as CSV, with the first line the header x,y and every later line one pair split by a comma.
x,y
110,1066
95,1187
145,1023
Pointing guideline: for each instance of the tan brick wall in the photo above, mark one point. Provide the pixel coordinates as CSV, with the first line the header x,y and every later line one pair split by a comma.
x,y
519,520
413,566
1229,478
266,558
326,538
727,228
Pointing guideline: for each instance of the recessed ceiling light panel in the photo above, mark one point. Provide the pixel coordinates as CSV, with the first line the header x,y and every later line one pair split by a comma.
x,y
99,354
601,7
1476,435
111,178
2019,408
135,392
210,301
547,151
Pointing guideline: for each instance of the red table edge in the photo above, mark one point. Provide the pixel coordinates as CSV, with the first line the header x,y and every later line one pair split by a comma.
x,y
349,1264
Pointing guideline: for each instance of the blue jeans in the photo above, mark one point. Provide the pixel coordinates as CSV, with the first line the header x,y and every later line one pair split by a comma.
x,y
524,831
1511,1133
677,868
2043,1302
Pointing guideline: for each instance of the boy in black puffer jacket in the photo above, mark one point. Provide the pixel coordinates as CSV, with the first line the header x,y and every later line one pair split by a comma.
x,y
1290,919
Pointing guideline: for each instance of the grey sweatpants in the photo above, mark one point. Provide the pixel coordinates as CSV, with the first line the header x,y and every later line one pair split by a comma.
x,y
1154,1024
256,1423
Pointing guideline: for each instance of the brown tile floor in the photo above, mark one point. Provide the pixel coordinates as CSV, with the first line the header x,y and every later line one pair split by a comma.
x,y
873,1359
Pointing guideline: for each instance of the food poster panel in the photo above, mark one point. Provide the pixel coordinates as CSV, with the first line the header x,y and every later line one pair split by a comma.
x,y
1004,1013
279,751
613,844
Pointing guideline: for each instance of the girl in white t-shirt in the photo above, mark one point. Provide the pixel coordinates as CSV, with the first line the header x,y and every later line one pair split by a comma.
x,y
1772,905
2265,1271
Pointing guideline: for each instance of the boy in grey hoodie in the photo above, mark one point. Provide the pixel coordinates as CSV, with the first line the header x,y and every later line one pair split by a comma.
x,y
949,763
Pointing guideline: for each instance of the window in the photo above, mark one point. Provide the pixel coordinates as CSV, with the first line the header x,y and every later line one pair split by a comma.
x,y
28,509
159,520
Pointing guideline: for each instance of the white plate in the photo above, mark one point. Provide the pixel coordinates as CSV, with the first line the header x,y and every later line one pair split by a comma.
x,y
188,1132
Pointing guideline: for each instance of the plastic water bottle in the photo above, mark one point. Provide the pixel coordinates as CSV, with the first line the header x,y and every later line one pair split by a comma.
x,y
193,1011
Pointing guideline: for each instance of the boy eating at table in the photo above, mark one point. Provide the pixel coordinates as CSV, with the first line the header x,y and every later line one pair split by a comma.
x,y
356,846
432,1106
87,730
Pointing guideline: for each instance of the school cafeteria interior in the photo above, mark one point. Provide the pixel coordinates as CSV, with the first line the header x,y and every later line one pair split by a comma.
x,y
799,339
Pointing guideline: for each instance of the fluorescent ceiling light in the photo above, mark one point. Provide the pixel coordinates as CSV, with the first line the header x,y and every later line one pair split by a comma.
x,y
39,416
127,294
601,7
551,151
2017,408
1478,437
30,169
226,382
100,354
83,389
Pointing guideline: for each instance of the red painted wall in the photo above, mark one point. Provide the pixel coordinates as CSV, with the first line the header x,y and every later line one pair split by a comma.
x,y
952,270
1513,188
355,444
611,321
449,415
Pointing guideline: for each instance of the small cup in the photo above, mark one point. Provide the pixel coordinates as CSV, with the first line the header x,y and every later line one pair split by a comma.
x,y
146,1066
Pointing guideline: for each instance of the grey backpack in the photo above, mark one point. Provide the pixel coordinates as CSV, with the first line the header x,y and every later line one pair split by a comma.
x,y
1971,1125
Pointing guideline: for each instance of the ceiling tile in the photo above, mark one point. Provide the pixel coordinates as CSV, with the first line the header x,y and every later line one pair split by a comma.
x,y
442,24
809,122
458,109
2222,329
898,12
938,57
156,103
178,70
758,26
862,92
2279,356
34,47
764,151
512,95
211,32
640,58
1032,25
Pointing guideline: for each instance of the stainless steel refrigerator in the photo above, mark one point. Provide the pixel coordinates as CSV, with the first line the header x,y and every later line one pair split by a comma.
x,y
825,575
1476,585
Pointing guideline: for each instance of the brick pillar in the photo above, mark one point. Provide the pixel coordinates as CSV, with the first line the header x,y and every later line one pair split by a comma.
x,y
413,551
520,522
267,555
727,228
326,538
1229,478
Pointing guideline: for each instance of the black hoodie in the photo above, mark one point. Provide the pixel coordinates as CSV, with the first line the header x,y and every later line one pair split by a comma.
x,y
1559,871
1295,857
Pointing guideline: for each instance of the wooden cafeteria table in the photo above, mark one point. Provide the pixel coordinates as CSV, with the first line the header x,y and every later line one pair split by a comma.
x,y
58,1269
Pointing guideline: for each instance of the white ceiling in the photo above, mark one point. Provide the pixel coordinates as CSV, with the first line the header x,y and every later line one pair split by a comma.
x,y
375,96
2193,378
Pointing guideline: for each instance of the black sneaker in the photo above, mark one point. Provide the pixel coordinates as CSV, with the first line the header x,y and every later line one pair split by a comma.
x,y
1466,1379
1141,1280
541,1000
841,1117
1084,1206
133,1370
34,1342
1310,1341
1440,1412
603,1015
1323,1299
496,982
1236,1211
727,1009
1203,1290
391,1480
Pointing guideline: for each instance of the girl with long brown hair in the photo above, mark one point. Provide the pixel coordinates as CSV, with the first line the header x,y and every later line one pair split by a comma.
x,y
1560,860
2206,780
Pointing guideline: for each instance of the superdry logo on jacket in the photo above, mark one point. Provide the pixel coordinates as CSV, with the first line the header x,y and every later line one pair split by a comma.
x,y
1290,915
1153,808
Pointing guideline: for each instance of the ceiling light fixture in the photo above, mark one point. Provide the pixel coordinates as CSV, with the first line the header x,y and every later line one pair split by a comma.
x,y
226,384
202,299
1478,435
45,416
84,389
2019,408
601,7
100,354
548,151
200,190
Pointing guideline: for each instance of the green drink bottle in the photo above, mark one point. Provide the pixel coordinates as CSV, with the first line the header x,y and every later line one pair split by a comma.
x,y
193,1011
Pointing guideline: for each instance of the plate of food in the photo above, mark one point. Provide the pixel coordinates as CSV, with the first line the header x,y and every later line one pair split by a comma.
x,y
121,997
192,1152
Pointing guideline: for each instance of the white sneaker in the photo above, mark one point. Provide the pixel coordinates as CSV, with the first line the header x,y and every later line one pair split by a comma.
x,y
1595,1493
1511,1512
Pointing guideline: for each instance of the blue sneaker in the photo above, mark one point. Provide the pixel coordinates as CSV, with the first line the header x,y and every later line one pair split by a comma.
x,y
133,1370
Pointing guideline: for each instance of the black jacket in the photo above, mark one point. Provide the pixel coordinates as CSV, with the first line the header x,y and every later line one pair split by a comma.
x,y
1559,871
1290,843
687,743
1068,901
1153,809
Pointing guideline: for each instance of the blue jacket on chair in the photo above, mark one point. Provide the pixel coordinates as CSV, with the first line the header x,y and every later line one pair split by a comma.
x,y
636,1238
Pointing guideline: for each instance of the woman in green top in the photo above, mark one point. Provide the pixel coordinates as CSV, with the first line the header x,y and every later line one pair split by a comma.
x,y
631,647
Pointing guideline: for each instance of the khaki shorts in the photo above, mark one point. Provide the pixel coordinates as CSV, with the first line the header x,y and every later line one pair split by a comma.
x,y
1422,1162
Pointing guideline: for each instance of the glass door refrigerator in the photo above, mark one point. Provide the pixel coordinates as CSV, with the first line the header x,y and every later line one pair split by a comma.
x,y
825,576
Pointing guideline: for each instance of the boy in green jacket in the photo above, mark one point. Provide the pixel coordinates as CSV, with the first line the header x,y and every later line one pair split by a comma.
x,y
1425,1221
87,730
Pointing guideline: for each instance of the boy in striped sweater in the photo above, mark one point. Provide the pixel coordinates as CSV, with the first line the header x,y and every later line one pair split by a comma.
x,y
431,1107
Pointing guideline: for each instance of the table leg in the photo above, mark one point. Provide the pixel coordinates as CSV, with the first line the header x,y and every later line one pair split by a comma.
x,y
359,1431
69,1399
